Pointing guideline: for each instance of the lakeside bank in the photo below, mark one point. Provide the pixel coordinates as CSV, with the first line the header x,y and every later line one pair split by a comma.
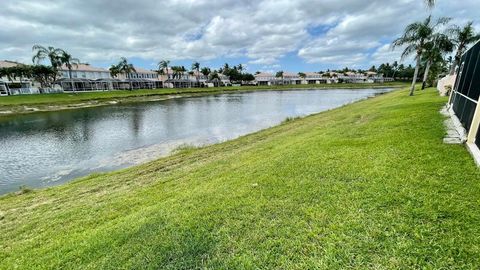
x,y
13,105
368,185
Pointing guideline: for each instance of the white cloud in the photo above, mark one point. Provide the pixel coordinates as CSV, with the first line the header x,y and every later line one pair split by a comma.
x,y
263,31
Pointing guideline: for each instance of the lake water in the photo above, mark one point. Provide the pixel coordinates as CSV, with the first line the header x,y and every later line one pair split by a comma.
x,y
44,149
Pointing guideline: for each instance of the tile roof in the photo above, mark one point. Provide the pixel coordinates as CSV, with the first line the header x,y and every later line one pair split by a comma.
x,y
290,74
6,64
85,67
146,71
264,74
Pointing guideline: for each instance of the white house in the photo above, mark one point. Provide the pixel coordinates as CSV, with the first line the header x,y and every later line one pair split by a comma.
x,y
16,85
265,78
85,71
316,78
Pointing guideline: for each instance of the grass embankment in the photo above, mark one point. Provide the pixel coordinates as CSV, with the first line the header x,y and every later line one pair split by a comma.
x,y
51,102
368,185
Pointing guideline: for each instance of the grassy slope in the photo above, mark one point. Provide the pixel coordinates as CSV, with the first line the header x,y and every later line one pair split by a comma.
x,y
369,185
68,98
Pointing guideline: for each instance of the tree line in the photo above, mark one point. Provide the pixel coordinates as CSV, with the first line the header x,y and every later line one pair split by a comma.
x,y
235,73
431,42
44,74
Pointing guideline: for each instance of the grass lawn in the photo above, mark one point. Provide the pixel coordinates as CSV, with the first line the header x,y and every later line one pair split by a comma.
x,y
68,98
368,185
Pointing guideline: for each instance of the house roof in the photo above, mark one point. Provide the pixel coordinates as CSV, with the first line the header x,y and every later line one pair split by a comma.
x,y
7,64
290,74
145,71
84,67
264,74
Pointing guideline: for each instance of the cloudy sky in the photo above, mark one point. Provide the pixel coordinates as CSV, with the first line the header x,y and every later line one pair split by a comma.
x,y
264,35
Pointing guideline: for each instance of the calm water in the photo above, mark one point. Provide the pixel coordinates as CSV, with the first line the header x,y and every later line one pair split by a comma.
x,y
45,149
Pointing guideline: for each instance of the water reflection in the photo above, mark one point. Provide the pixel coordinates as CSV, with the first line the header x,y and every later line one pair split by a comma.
x,y
43,149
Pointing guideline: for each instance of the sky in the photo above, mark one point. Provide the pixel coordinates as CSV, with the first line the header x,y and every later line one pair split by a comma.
x,y
262,35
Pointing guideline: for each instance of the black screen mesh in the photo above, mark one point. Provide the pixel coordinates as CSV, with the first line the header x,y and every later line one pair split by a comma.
x,y
477,140
467,86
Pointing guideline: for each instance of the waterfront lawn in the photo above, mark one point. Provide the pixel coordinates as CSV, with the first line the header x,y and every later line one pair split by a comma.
x,y
368,185
69,98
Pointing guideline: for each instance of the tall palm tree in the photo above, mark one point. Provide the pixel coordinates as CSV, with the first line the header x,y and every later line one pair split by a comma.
x,y
436,50
163,65
462,37
196,68
52,53
126,68
69,61
415,38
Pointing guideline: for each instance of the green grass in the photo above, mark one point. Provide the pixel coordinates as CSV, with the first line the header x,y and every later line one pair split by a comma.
x,y
69,98
368,185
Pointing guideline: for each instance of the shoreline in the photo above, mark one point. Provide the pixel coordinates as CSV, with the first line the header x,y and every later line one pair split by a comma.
x,y
175,148
12,110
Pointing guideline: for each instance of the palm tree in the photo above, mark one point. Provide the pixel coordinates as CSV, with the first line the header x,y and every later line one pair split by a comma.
x,y
69,61
52,53
163,65
302,75
462,37
240,67
416,37
41,53
395,68
214,77
226,67
114,71
126,68
196,67
205,71
177,72
279,74
436,49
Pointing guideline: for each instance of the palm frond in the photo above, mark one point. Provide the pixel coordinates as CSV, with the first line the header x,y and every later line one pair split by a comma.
x,y
409,50
430,3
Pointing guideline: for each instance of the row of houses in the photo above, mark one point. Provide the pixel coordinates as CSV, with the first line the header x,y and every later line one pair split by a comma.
x,y
84,77
288,78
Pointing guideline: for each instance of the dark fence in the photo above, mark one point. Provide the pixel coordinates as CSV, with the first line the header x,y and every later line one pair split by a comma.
x,y
467,87
477,140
